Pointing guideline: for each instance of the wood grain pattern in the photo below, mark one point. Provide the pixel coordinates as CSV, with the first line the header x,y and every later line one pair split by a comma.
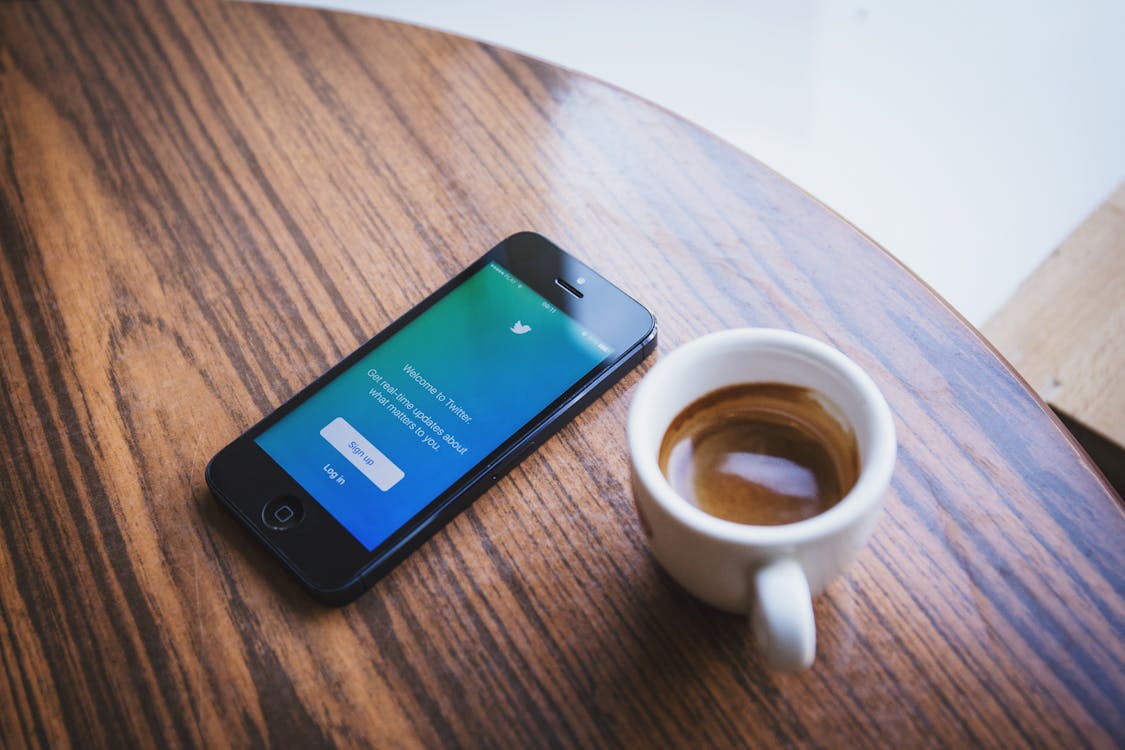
x,y
1064,328
202,206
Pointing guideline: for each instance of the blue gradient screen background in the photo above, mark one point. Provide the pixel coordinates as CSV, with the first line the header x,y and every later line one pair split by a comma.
x,y
465,349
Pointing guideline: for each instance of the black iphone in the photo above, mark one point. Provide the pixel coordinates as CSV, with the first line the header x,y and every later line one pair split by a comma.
x,y
358,469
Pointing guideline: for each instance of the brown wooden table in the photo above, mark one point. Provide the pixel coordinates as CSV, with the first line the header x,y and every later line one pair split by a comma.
x,y
204,206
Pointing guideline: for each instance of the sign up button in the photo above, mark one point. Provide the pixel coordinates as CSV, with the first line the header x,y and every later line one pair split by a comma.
x,y
362,454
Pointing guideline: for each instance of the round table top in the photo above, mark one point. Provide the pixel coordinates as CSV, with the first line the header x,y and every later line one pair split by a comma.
x,y
205,205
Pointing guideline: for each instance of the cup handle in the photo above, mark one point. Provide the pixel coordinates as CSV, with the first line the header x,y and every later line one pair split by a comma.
x,y
781,615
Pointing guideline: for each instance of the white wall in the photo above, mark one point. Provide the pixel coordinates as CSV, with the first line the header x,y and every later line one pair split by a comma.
x,y
968,138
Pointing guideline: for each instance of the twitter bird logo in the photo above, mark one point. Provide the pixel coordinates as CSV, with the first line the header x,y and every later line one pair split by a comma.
x,y
519,328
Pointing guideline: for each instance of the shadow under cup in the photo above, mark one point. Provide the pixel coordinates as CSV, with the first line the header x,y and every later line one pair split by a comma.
x,y
725,563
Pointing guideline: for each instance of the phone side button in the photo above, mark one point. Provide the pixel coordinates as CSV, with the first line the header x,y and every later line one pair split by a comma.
x,y
283,513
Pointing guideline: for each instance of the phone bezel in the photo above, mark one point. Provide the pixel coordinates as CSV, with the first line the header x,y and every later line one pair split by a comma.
x,y
320,551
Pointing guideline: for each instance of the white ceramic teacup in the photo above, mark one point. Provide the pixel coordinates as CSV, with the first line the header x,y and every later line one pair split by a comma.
x,y
769,572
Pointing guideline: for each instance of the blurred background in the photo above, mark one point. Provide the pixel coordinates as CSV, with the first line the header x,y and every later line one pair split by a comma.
x,y
968,138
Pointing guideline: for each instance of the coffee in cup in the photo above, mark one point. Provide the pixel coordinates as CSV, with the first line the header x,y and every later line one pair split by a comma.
x,y
760,453
789,452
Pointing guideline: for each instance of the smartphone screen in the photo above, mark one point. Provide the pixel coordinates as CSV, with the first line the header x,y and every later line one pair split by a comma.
x,y
394,430
354,472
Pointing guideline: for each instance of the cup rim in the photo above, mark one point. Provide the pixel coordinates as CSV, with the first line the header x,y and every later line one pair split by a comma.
x,y
875,470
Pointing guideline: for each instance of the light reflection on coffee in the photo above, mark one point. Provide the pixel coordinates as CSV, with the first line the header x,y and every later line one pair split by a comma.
x,y
761,454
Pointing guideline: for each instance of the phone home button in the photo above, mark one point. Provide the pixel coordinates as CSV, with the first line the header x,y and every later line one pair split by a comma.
x,y
283,513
